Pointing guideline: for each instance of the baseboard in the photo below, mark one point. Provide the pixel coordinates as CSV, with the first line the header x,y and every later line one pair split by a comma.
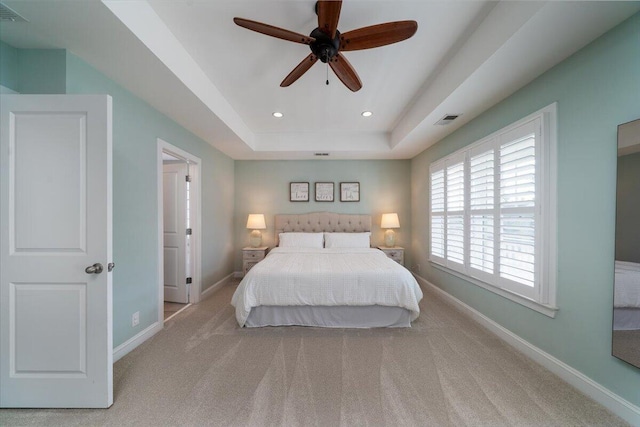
x,y
616,404
126,347
133,342
238,274
213,288
6,91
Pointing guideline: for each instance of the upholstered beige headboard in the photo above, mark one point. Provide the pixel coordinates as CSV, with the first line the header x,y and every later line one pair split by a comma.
x,y
318,222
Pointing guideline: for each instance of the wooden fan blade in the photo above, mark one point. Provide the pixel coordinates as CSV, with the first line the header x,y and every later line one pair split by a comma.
x,y
377,35
328,16
272,31
345,72
297,72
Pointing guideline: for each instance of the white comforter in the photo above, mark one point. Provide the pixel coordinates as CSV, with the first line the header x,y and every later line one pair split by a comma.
x,y
326,277
627,285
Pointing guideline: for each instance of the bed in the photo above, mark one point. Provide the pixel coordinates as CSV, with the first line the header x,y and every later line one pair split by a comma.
x,y
626,301
324,281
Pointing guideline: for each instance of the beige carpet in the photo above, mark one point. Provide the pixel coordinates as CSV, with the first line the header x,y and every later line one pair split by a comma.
x,y
445,371
626,346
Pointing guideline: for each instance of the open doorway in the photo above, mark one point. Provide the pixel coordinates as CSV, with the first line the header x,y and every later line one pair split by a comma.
x,y
179,230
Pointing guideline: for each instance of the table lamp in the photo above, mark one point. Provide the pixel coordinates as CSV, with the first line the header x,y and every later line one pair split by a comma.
x,y
390,221
256,223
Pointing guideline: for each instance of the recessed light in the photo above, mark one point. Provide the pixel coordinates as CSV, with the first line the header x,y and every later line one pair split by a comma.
x,y
277,114
366,114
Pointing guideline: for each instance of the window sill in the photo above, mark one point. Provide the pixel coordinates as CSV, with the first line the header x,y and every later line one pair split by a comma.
x,y
545,309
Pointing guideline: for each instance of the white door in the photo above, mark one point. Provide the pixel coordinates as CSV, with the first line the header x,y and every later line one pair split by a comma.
x,y
175,232
56,348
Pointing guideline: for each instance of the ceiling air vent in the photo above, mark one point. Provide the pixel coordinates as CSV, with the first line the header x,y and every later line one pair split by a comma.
x,y
8,15
321,154
447,119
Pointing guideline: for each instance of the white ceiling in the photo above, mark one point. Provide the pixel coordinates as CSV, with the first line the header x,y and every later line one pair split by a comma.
x,y
190,61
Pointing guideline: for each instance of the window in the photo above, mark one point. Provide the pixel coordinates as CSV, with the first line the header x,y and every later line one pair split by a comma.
x,y
492,211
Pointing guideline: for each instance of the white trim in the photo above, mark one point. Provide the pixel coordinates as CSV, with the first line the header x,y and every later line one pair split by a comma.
x,y
178,312
133,342
547,310
216,286
196,242
550,214
126,347
616,404
541,297
7,91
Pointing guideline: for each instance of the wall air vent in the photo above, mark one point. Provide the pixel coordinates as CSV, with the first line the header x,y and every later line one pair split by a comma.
x,y
448,118
9,15
321,154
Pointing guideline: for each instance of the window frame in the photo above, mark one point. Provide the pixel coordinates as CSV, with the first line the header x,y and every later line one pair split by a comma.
x,y
542,297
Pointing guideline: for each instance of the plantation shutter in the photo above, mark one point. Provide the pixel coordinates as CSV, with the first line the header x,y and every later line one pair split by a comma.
x,y
517,205
437,211
482,204
493,211
455,205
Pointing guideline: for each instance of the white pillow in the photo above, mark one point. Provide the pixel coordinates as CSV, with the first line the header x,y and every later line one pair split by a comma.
x,y
301,240
347,240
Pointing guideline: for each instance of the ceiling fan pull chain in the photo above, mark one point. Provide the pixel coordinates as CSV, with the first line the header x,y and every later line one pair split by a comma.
x,y
327,73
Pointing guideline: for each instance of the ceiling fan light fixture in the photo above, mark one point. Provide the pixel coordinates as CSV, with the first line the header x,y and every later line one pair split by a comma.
x,y
277,114
327,43
366,114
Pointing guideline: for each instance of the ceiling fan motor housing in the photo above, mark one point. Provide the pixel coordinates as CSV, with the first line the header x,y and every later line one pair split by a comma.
x,y
324,47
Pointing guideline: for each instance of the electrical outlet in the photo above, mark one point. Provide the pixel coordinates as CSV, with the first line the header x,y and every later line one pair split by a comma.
x,y
135,319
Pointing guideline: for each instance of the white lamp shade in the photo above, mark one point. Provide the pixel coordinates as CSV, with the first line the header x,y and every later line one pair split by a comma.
x,y
390,220
256,222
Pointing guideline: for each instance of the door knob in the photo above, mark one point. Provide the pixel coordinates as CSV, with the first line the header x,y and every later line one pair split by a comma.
x,y
111,266
94,269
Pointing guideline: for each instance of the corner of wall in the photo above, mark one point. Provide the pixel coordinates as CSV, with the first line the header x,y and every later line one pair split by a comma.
x,y
9,67
42,71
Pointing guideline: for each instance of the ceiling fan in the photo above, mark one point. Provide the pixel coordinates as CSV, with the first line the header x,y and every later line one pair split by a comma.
x,y
327,43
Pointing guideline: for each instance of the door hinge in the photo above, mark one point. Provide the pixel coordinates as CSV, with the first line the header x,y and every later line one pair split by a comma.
x,y
189,232
188,178
188,280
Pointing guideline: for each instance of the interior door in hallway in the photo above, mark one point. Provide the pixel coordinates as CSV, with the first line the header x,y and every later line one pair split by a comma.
x,y
56,345
175,232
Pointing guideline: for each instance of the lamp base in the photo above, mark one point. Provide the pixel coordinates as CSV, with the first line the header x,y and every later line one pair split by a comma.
x,y
389,238
255,240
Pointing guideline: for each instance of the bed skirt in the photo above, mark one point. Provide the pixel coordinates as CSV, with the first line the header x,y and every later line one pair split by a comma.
x,y
374,316
626,318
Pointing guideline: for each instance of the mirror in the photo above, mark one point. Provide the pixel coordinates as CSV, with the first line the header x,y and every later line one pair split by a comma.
x,y
626,301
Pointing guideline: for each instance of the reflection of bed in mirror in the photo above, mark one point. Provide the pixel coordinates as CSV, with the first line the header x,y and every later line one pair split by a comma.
x,y
626,310
626,302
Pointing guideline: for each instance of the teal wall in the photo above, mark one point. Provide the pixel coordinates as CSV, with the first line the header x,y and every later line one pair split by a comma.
x,y
33,70
42,70
263,187
9,66
596,89
136,128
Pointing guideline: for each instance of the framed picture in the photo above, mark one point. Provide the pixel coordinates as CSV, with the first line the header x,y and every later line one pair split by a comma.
x,y
324,191
298,191
349,191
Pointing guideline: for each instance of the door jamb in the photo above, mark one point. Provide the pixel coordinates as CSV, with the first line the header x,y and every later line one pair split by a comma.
x,y
195,164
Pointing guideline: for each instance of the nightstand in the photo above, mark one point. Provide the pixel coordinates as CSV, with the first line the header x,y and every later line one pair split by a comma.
x,y
396,253
252,256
